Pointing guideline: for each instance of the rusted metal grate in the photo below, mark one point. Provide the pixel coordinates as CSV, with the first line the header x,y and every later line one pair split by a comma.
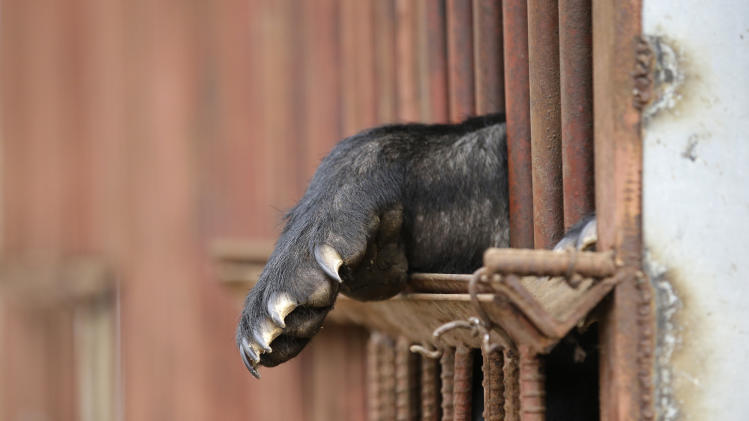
x,y
443,60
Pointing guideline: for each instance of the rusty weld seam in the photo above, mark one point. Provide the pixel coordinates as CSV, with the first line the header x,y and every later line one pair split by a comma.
x,y
646,345
642,75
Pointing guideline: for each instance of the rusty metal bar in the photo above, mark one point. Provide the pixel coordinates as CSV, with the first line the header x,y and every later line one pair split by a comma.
x,y
433,60
441,283
493,383
460,59
543,58
576,87
489,66
386,351
587,264
430,410
374,381
532,389
512,385
462,385
384,51
405,43
447,373
515,34
406,386
627,328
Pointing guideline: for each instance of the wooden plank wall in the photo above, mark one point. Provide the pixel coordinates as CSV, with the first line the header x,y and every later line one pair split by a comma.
x,y
139,131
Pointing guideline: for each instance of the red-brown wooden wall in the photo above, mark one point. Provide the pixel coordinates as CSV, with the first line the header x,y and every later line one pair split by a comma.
x,y
139,131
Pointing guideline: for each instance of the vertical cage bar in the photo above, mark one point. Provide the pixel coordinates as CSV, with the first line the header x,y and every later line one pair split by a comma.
x,y
433,60
386,350
494,388
576,70
488,58
460,59
406,382
430,410
462,391
515,34
384,50
532,389
543,57
447,365
405,42
373,379
628,324
376,380
512,386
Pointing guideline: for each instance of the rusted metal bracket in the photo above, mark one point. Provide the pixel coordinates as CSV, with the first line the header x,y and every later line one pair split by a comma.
x,y
516,315
518,321
586,278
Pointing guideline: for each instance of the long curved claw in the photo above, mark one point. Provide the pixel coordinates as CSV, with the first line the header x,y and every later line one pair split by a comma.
x,y
250,351
261,342
588,236
329,260
252,368
279,307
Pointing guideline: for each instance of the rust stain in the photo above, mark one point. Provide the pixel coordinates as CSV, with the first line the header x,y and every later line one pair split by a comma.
x,y
658,76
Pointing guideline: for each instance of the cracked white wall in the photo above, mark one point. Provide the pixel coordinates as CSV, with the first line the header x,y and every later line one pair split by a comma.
x,y
696,209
